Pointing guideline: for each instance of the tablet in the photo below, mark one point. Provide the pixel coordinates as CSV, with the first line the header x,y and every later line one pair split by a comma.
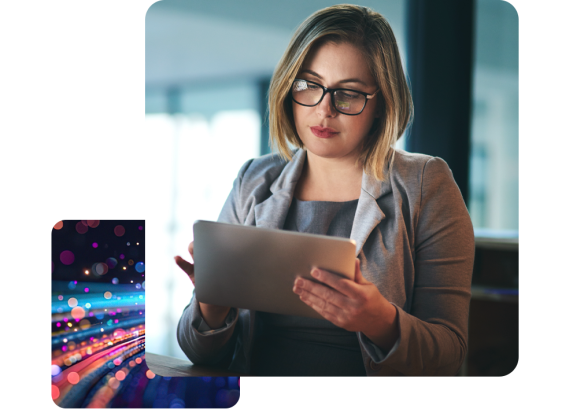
x,y
255,268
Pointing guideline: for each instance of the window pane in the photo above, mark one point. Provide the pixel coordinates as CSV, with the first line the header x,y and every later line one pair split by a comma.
x,y
198,159
494,197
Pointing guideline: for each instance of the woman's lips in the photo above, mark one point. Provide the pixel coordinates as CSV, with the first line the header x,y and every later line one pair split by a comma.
x,y
321,132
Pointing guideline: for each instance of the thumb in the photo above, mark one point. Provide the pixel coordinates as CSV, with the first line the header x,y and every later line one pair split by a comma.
x,y
358,275
187,267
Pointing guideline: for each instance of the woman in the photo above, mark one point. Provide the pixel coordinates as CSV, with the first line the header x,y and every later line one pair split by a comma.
x,y
340,96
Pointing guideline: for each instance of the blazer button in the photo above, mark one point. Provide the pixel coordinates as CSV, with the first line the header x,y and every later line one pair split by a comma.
x,y
374,366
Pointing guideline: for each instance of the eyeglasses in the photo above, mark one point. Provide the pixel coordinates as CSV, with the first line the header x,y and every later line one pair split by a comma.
x,y
345,101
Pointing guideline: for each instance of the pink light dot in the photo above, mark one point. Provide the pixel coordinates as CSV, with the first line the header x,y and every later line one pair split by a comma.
x,y
94,245
86,289
140,228
58,324
65,319
122,256
116,321
119,230
67,257
75,282
63,348
81,227
76,319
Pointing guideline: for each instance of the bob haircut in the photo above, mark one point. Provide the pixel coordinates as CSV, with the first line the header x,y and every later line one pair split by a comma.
x,y
371,33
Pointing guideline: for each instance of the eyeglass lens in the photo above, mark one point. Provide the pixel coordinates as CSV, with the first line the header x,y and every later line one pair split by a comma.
x,y
345,101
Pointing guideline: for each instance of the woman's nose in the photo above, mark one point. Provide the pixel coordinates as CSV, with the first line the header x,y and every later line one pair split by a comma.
x,y
325,108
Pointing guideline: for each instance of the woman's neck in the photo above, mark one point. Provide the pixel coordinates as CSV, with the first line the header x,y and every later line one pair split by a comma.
x,y
333,180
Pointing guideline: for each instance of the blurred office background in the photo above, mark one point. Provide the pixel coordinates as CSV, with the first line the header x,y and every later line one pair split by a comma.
x,y
208,66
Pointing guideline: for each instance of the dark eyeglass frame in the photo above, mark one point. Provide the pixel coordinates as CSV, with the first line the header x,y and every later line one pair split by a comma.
x,y
332,92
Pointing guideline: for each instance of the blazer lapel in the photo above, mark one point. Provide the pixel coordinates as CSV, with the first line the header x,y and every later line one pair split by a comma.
x,y
272,212
368,214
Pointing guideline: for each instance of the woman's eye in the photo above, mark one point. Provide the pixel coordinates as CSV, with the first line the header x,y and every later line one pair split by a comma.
x,y
312,86
345,94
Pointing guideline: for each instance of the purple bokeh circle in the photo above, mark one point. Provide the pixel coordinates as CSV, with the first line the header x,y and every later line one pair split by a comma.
x,y
67,257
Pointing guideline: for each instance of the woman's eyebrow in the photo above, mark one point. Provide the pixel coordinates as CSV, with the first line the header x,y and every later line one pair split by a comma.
x,y
348,80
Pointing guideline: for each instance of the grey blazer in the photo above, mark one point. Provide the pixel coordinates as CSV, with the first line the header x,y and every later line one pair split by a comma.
x,y
416,244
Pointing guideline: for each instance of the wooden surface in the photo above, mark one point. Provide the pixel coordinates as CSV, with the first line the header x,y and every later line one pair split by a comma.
x,y
169,366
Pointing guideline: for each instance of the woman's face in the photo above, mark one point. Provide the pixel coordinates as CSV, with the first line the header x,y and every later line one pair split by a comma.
x,y
324,131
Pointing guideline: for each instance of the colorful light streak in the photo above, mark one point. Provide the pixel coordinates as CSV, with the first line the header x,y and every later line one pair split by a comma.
x,y
98,333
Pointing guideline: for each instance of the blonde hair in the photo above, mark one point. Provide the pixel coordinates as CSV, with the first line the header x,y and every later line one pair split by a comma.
x,y
371,32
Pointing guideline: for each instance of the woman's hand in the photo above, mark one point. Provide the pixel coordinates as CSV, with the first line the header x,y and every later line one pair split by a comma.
x,y
356,306
214,315
185,266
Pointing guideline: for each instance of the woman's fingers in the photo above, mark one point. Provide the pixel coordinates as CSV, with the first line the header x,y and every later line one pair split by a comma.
x,y
323,306
327,295
342,285
187,267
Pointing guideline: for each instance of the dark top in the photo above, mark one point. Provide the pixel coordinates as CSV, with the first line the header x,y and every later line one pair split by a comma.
x,y
298,346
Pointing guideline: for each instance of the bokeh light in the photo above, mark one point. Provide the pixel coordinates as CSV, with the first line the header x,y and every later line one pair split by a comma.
x,y
93,223
113,383
140,267
120,375
107,325
55,393
81,228
67,257
85,324
94,245
111,262
177,403
73,378
58,225
72,302
119,230
78,313
101,268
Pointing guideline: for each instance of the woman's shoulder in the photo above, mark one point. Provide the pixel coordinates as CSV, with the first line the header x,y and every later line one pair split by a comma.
x,y
415,166
412,159
427,180
264,169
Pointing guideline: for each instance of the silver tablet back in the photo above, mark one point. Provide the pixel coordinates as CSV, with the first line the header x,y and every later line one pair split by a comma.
x,y
253,268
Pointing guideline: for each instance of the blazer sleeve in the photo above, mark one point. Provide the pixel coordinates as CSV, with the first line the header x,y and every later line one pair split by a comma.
x,y
213,347
433,335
